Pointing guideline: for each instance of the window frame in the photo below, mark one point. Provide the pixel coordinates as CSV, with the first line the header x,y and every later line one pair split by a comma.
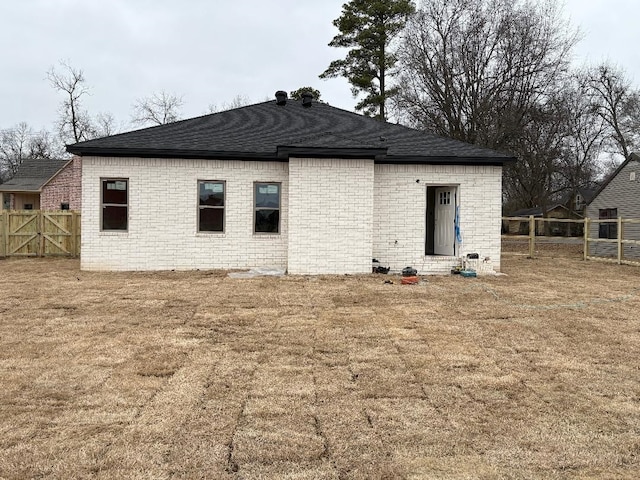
x,y
608,230
214,207
256,208
103,180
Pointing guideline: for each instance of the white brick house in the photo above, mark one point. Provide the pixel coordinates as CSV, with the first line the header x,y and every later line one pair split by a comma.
x,y
293,184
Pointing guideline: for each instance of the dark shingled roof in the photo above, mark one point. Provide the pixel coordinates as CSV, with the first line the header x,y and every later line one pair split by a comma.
x,y
267,131
33,174
525,212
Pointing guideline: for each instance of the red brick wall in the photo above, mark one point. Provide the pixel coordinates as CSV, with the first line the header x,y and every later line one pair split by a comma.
x,y
64,188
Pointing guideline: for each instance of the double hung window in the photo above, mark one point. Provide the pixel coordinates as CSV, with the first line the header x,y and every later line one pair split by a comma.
x,y
211,205
115,204
266,208
608,229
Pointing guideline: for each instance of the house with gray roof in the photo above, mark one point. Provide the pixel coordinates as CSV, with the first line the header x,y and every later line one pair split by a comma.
x,y
572,205
43,184
294,184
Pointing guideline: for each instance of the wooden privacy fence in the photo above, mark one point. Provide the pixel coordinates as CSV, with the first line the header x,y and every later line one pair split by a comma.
x,y
603,240
36,233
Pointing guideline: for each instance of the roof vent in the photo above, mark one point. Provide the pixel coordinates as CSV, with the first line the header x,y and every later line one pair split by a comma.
x,y
307,99
281,97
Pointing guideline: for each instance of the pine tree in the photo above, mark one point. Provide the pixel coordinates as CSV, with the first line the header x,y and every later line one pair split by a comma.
x,y
368,28
297,94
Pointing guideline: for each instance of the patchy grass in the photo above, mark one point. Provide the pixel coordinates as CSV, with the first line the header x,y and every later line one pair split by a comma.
x,y
196,375
554,247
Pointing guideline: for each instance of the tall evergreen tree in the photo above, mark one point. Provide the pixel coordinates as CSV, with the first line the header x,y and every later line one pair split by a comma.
x,y
368,27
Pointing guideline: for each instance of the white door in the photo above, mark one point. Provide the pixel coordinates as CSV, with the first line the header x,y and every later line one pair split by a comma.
x,y
444,221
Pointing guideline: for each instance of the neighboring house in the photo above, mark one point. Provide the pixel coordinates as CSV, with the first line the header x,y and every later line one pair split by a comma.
x,y
293,184
572,206
618,196
44,184
577,201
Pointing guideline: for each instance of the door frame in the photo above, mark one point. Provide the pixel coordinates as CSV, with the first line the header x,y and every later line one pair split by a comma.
x,y
429,241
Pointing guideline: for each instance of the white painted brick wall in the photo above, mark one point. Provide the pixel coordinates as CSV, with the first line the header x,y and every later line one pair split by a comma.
x,y
163,214
400,213
343,213
330,215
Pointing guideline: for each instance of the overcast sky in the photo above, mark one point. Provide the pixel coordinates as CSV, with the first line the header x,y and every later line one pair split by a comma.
x,y
209,51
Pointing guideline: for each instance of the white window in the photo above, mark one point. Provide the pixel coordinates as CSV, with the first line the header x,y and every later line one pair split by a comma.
x,y
445,198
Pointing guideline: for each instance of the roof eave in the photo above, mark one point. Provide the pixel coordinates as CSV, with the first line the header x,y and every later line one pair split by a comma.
x,y
283,153
20,190
286,152
450,160
173,153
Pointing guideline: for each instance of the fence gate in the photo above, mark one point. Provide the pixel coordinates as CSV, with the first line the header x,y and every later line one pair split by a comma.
x,y
22,234
58,233
31,233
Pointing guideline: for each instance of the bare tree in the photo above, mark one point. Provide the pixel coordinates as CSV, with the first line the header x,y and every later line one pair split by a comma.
x,y
472,68
42,145
619,106
19,143
157,109
105,125
533,181
74,123
489,72
584,138
13,149
236,102
559,149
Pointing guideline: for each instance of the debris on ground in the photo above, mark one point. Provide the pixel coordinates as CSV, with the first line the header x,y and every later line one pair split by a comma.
x,y
259,272
413,280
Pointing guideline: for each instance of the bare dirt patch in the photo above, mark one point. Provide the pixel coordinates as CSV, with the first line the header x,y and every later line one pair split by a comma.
x,y
197,375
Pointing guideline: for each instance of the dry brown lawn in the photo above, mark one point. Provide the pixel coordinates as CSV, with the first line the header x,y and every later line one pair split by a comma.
x,y
196,375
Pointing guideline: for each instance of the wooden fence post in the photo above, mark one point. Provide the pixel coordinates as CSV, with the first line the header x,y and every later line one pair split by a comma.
x,y
74,233
532,236
3,232
587,227
620,238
